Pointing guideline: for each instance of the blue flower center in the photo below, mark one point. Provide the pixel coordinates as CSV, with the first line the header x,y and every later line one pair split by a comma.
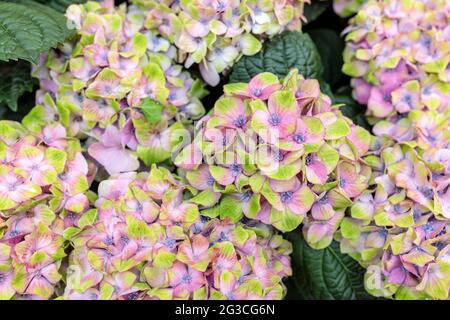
x,y
407,99
428,227
240,121
222,237
342,183
257,92
417,215
235,169
323,200
299,138
439,245
221,6
13,186
427,90
71,216
133,296
62,176
230,296
279,156
286,196
13,233
170,243
246,196
108,89
275,119
308,159
186,278
427,192
2,277
108,241
124,239
426,42
210,181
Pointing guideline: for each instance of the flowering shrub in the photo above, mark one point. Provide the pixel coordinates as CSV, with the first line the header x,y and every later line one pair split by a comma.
x,y
149,243
398,55
184,210
215,34
43,182
400,230
276,151
118,84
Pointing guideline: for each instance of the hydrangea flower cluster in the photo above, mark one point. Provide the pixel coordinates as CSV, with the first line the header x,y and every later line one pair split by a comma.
x,y
400,230
398,53
274,152
347,8
215,33
117,84
44,180
148,242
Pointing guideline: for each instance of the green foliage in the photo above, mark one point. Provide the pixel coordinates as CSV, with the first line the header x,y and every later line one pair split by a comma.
x,y
351,108
60,5
313,10
14,82
152,110
284,52
330,46
323,274
28,28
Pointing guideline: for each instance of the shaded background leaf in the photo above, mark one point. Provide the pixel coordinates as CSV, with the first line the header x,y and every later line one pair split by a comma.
x,y
15,81
283,52
352,109
323,274
330,46
28,28
313,10
60,5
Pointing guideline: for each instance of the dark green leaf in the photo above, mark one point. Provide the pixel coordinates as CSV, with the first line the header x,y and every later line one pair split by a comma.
x,y
325,88
60,5
313,10
28,28
324,274
289,50
352,109
15,80
330,46
152,110
26,103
